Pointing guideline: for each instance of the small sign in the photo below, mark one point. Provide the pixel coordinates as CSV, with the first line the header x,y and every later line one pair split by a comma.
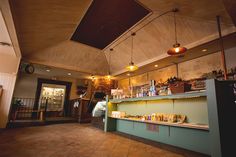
x,y
152,127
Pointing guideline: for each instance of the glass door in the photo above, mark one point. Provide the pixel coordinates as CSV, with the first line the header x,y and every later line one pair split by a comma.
x,y
52,99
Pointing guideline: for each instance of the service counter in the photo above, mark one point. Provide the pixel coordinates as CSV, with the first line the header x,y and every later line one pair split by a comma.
x,y
192,134
201,132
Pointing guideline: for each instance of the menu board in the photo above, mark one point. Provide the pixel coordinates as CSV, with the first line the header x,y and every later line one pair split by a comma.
x,y
152,127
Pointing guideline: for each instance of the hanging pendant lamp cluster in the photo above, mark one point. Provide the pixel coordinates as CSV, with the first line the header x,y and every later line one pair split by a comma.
x,y
132,67
177,49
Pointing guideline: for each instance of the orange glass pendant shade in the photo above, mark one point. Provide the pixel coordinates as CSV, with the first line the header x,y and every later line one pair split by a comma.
x,y
176,50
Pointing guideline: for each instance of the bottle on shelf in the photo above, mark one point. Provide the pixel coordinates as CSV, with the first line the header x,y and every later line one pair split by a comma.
x,y
168,91
152,89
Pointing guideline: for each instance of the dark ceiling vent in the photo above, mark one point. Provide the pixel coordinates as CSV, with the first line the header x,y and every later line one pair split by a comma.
x,y
106,20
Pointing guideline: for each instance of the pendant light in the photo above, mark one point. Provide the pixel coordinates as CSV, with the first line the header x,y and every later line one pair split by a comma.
x,y
92,77
109,65
177,49
132,66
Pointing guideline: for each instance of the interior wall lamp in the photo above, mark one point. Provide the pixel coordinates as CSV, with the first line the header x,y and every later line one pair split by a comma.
x,y
177,49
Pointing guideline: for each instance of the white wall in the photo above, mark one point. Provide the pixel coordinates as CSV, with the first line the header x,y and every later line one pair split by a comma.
x,y
8,63
26,85
8,71
8,83
9,60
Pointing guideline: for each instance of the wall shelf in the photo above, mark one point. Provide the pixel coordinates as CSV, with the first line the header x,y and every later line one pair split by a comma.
x,y
186,95
183,125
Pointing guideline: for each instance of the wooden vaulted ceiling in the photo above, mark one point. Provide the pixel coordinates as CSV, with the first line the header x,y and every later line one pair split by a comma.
x,y
44,29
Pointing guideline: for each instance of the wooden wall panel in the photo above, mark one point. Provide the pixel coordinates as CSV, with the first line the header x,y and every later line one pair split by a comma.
x,y
26,85
187,70
73,91
230,57
196,67
104,85
139,80
8,83
124,84
162,75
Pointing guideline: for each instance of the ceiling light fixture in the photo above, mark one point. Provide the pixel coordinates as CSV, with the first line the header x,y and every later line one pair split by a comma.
x,y
156,66
177,49
204,50
93,77
69,74
48,70
132,66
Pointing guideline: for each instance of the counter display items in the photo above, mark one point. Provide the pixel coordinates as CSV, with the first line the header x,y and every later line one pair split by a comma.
x,y
158,117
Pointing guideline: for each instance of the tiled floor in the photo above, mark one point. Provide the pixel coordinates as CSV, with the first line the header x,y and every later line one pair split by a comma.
x,y
73,140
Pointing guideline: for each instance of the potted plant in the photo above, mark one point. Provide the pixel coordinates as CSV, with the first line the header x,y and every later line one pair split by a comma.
x,y
15,106
177,85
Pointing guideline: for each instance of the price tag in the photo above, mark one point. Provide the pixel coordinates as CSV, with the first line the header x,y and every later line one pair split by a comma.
x,y
152,127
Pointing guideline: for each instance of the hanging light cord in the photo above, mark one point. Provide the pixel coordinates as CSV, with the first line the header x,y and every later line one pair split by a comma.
x,y
164,13
109,62
132,45
175,28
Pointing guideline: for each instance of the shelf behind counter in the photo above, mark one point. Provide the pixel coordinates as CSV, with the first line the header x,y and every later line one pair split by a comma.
x,y
183,125
187,95
193,135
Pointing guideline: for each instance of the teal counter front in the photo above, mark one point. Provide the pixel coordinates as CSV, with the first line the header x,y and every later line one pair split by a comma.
x,y
192,135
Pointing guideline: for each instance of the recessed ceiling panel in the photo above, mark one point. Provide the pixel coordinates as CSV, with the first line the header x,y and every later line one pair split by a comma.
x,y
106,20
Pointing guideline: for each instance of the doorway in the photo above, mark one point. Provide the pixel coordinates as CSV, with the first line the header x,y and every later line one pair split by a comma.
x,y
52,97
